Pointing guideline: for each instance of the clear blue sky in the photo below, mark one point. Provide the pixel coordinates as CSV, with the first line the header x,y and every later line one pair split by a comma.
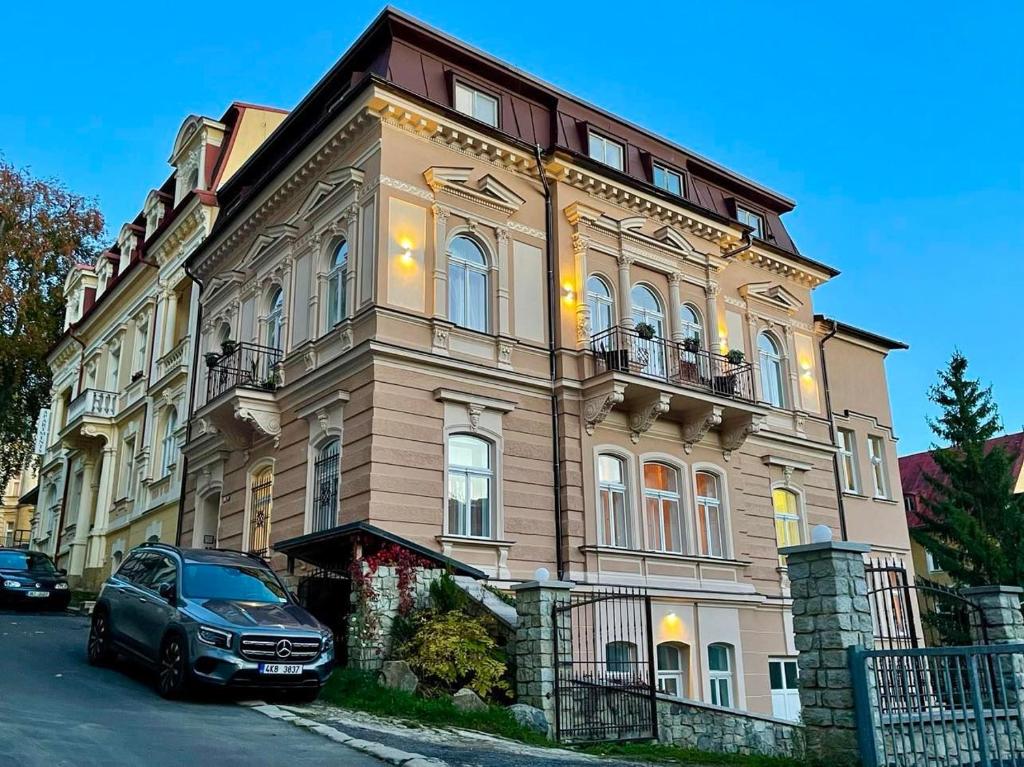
x,y
896,126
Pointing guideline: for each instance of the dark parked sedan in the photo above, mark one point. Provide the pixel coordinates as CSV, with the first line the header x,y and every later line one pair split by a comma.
x,y
29,578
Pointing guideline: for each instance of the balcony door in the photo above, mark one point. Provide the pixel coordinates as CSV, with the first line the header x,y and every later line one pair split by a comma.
x,y
647,309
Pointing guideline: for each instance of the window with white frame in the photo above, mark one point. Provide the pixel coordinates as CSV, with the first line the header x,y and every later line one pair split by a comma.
x,y
468,297
770,357
614,506
114,368
326,486
668,179
673,663
710,517
690,324
751,219
620,657
336,309
601,304
720,674
470,486
876,453
648,310
127,467
275,319
662,507
782,678
141,346
930,562
786,505
169,448
476,103
606,150
848,459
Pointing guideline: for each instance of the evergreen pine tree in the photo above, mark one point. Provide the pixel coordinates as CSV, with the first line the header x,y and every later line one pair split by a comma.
x,y
973,524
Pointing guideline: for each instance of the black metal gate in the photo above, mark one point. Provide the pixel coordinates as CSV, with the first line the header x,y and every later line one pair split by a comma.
x,y
260,506
923,613
327,594
604,667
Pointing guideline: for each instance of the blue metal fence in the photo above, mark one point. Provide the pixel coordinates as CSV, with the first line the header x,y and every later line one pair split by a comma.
x,y
948,706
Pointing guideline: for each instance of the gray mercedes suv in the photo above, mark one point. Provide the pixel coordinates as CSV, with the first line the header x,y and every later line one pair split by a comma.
x,y
209,616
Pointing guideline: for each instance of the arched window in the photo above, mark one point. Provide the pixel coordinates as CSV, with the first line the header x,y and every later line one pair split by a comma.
x,y
620,657
720,674
169,446
601,303
770,357
673,663
787,519
223,334
261,507
336,309
326,486
467,284
153,539
662,507
647,309
689,322
275,318
710,522
115,560
615,514
470,486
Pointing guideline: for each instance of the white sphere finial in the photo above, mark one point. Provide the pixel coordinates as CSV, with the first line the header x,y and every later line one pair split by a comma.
x,y
541,574
821,534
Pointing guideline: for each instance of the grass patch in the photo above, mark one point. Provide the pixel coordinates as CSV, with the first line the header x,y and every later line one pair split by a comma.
x,y
358,690
658,752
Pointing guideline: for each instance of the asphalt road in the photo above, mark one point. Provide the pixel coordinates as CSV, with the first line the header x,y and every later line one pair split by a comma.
x,y
57,711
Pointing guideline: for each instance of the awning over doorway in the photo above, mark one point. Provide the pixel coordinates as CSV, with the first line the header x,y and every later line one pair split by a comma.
x,y
334,549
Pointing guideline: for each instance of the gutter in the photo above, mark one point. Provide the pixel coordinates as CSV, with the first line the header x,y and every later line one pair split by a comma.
x,y
193,375
556,455
832,429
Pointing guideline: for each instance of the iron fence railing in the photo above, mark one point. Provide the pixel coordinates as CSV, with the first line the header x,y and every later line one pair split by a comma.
x,y
624,350
17,539
326,476
248,366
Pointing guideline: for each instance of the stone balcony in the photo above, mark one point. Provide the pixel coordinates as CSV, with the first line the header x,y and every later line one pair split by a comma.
x,y
90,415
175,361
652,378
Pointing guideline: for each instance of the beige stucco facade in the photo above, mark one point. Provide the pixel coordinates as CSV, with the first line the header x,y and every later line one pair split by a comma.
x,y
16,509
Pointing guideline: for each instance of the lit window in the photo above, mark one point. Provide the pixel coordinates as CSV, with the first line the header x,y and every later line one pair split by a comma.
x,y
620,657
710,522
662,506
336,309
602,306
787,519
605,150
672,667
720,674
615,522
668,180
770,357
477,104
876,452
782,678
261,507
753,220
326,478
275,319
170,448
470,479
467,284
848,459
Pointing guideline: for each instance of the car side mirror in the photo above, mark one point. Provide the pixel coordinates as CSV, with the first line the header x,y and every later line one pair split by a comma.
x,y
167,591
63,571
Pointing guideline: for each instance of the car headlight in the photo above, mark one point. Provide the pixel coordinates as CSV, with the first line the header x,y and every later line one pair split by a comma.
x,y
328,640
12,584
61,586
214,637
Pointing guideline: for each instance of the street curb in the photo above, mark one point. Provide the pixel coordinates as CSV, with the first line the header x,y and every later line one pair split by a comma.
x,y
395,756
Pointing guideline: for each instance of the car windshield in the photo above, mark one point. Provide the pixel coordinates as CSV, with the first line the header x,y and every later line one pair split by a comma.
x,y
244,584
29,561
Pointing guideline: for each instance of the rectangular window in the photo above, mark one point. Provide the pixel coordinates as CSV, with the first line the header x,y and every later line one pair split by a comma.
x,y
782,676
929,559
477,104
470,476
848,459
720,675
141,343
752,219
326,480
668,180
127,468
605,150
615,516
876,452
114,371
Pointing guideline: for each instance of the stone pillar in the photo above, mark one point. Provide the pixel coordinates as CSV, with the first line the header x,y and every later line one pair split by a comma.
x,y
711,296
170,320
625,291
535,643
76,558
830,614
104,498
440,307
675,306
1000,607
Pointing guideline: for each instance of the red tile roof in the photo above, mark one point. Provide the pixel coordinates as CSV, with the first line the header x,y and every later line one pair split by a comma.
x,y
914,469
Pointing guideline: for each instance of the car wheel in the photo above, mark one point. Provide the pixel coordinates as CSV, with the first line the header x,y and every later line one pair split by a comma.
x,y
172,678
99,649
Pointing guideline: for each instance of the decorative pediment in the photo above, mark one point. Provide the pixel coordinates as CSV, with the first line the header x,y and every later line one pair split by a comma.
x,y
672,237
632,223
771,293
487,191
336,182
269,238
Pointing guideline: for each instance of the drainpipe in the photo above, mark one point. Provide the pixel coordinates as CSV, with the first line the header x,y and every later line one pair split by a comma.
x,y
193,375
556,454
832,429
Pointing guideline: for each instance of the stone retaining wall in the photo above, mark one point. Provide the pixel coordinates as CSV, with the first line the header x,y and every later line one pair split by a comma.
x,y
692,724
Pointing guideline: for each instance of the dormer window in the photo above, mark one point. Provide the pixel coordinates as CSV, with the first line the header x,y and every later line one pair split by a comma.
x,y
476,103
751,219
668,179
606,150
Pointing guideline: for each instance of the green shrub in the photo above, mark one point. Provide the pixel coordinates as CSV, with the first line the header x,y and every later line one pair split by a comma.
x,y
452,650
445,594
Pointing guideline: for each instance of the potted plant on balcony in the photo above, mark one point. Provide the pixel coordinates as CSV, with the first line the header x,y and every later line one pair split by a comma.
x,y
726,384
645,330
212,358
688,360
735,356
228,346
691,344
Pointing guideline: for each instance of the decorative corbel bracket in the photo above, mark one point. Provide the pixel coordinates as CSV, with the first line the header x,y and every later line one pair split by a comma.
x,y
597,407
698,424
265,421
736,431
642,419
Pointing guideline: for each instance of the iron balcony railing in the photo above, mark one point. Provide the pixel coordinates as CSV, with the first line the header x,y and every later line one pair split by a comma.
x,y
18,539
247,366
622,349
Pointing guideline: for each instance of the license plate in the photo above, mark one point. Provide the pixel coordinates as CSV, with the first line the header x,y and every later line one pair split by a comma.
x,y
280,668
39,593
